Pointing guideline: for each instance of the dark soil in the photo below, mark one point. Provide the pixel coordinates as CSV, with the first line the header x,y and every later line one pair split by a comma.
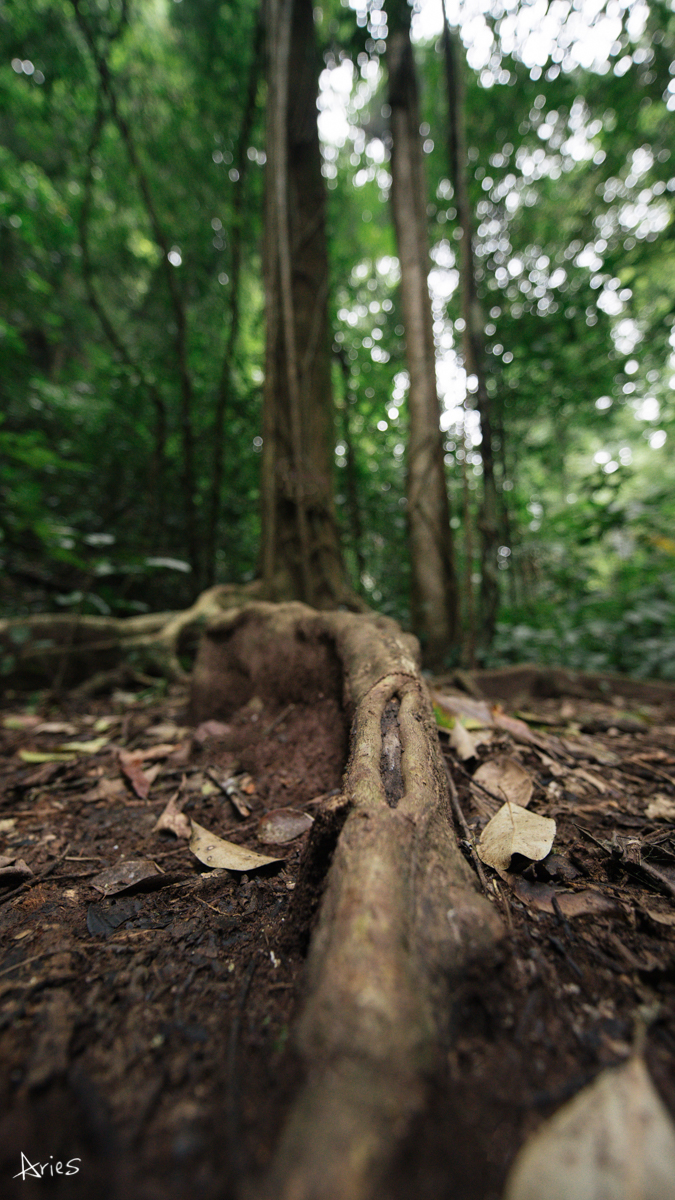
x,y
146,1034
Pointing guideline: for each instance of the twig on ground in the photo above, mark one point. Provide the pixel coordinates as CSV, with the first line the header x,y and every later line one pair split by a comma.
x,y
461,821
277,720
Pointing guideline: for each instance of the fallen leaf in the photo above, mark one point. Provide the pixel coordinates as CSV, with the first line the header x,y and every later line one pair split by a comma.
x,y
21,721
515,830
34,756
540,896
139,779
506,778
451,707
103,724
173,820
661,916
7,824
56,727
91,747
216,852
6,861
124,875
661,808
166,731
615,1140
209,729
105,789
283,825
15,872
462,742
163,750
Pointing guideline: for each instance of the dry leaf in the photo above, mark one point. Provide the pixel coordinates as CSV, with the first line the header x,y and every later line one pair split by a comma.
x,y
91,747
7,824
572,904
15,872
462,742
56,727
515,830
34,756
139,779
459,706
173,819
506,778
105,789
166,731
216,852
614,1141
283,825
661,916
21,721
163,750
124,875
661,808
209,729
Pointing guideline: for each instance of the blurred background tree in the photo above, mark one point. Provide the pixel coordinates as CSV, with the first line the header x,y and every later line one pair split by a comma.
x,y
132,331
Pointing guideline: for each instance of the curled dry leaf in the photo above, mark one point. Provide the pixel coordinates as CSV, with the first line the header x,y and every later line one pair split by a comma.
x,y
515,830
161,751
505,777
614,1141
140,780
283,825
124,875
173,820
216,852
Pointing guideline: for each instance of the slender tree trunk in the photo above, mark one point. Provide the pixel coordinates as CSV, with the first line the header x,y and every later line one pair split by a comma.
x,y
224,394
351,484
474,338
434,599
469,643
300,552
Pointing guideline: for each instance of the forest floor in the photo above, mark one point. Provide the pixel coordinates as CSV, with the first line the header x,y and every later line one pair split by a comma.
x,y
145,1011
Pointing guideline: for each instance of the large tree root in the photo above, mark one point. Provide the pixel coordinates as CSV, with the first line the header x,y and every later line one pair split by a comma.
x,y
401,913
62,649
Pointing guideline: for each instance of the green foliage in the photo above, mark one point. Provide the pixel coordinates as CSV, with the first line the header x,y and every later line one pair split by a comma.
x,y
132,315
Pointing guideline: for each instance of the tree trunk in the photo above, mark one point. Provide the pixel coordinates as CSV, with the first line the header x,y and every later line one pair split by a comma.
x,y
474,339
300,551
434,599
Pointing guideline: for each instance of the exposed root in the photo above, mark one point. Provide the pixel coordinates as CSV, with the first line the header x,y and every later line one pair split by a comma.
x,y
401,914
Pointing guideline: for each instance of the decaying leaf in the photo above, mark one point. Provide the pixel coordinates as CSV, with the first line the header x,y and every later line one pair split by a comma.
x,y
541,896
283,825
662,916
124,875
216,852
661,808
614,1141
163,750
173,820
515,830
505,777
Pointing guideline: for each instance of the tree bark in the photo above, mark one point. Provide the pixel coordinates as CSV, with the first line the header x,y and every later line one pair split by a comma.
x,y
401,914
434,599
300,553
473,337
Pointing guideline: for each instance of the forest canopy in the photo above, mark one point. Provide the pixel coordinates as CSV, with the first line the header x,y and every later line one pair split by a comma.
x,y
133,164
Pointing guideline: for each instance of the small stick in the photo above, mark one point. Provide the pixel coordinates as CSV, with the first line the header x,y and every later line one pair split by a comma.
x,y
277,720
461,821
